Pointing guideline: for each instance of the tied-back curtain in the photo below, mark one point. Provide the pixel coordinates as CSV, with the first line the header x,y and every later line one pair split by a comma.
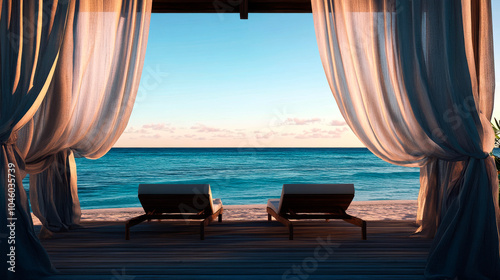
x,y
414,80
88,103
54,194
31,33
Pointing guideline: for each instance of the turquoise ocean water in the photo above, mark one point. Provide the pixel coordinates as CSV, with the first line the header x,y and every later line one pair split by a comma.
x,y
239,176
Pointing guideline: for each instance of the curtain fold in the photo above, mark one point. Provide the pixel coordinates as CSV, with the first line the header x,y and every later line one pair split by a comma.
x,y
88,103
414,80
30,41
466,241
54,194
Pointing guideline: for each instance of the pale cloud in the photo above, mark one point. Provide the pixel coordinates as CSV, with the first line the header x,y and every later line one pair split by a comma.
x,y
321,133
230,134
337,123
218,132
304,130
263,135
194,137
297,121
148,129
156,136
131,130
201,128
160,127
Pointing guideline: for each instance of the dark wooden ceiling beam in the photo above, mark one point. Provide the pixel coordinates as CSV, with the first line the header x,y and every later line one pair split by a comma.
x,y
232,6
244,9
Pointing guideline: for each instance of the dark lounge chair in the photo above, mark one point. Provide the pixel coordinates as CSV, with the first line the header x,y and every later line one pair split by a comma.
x,y
314,201
177,201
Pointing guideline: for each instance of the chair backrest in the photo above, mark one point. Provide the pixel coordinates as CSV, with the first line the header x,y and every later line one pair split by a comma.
x,y
315,198
176,198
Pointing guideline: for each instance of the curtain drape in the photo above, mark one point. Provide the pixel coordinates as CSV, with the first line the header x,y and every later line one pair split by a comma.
x,y
88,103
414,80
31,34
53,195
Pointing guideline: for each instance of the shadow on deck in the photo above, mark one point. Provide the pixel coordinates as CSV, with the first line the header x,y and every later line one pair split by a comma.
x,y
239,250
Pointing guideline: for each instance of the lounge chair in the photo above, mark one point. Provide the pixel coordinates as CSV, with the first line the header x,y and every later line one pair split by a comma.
x,y
177,201
313,201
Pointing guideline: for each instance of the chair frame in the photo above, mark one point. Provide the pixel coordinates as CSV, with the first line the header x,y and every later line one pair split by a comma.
x,y
312,204
156,207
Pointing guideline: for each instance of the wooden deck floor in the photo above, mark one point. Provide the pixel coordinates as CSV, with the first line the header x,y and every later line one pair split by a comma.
x,y
239,250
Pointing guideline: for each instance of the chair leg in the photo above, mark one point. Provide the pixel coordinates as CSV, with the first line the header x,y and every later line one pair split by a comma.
x,y
132,222
207,221
127,232
202,231
358,222
363,230
281,219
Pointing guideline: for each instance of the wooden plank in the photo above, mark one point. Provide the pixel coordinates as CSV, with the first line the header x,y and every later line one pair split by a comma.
x,y
238,250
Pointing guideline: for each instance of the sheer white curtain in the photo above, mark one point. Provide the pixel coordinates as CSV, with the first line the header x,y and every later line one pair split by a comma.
x,y
88,103
414,80
30,41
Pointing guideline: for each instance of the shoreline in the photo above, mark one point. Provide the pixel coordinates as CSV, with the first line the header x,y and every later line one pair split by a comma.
x,y
368,210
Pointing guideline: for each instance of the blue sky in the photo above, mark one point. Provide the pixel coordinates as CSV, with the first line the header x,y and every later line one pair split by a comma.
x,y
213,80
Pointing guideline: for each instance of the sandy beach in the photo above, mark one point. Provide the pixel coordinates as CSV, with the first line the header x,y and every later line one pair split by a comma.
x,y
367,210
